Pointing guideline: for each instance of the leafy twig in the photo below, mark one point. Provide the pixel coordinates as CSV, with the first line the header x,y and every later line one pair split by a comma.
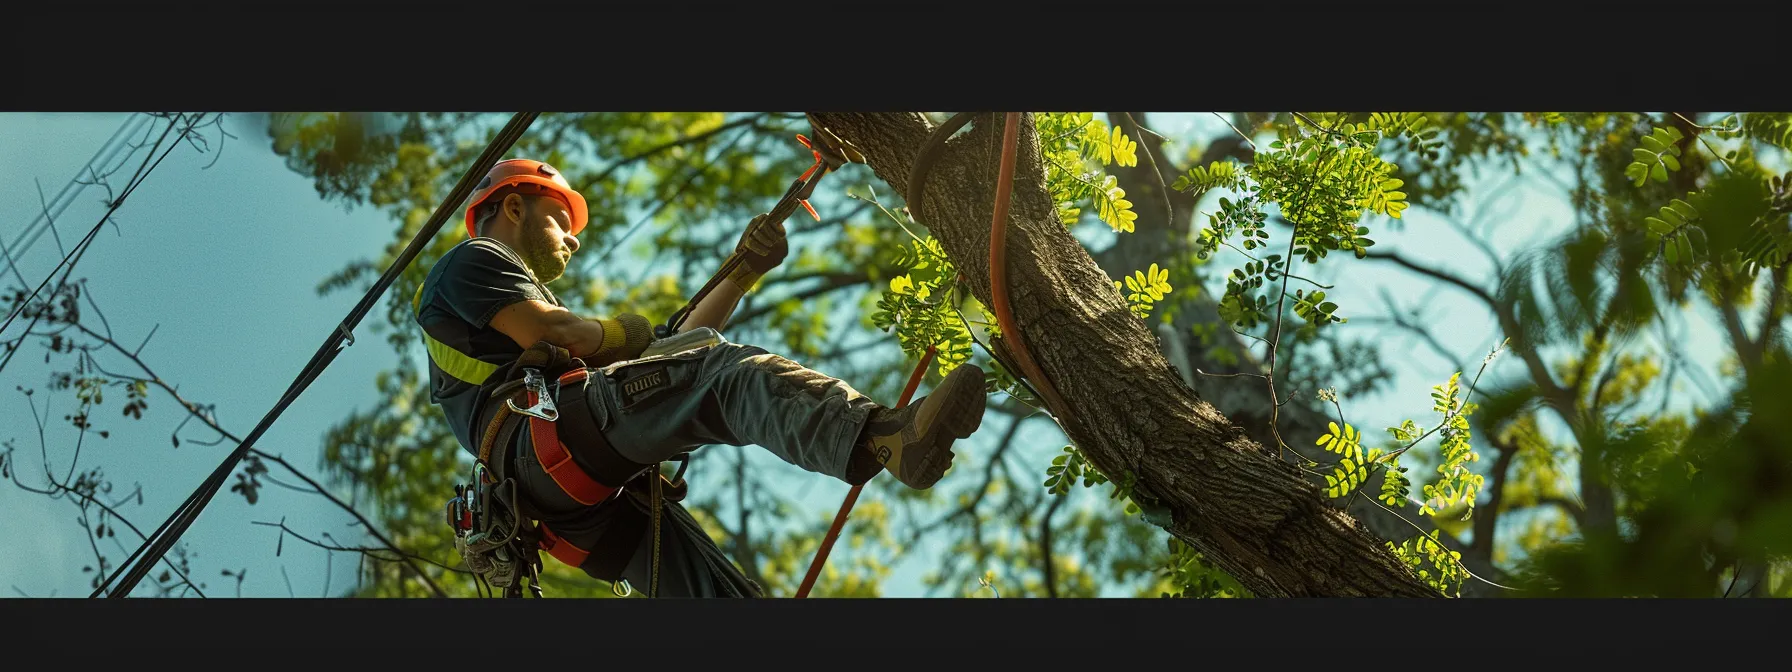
x,y
1707,143
1471,391
1248,255
1438,544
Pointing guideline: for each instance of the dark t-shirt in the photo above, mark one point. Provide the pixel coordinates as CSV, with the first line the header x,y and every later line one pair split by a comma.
x,y
455,305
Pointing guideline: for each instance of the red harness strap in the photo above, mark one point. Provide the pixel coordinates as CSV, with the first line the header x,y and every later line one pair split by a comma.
x,y
562,549
557,461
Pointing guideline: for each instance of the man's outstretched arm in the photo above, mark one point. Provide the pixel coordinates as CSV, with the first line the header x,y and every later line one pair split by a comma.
x,y
602,339
715,308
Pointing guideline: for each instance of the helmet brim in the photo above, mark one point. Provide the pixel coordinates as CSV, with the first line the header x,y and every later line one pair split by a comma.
x,y
575,201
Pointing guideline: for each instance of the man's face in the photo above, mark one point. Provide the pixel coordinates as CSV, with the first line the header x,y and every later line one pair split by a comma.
x,y
544,237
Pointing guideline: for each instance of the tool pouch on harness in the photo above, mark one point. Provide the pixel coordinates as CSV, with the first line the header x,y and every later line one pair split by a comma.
x,y
493,539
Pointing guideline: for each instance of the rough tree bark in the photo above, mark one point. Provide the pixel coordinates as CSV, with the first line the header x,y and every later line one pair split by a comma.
x,y
1227,496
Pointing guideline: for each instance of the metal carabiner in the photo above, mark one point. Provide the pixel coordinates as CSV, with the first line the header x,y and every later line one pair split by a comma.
x,y
544,402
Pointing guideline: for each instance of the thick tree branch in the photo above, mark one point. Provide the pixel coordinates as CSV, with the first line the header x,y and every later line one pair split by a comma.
x,y
1225,495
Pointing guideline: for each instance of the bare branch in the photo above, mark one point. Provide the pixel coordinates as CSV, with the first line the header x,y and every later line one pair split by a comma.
x,y
1045,546
1540,374
834,282
1241,135
1232,375
49,219
679,142
152,333
368,551
1423,535
58,488
194,411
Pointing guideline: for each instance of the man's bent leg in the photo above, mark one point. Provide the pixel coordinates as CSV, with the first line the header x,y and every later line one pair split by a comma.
x,y
731,394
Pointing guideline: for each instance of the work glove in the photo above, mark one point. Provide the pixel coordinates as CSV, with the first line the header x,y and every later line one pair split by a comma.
x,y
626,336
762,247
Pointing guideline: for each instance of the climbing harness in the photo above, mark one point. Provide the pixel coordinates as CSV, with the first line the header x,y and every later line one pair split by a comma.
x,y
545,387
138,565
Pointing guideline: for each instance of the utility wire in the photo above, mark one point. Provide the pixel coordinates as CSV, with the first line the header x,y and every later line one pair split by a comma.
x,y
12,252
170,531
74,256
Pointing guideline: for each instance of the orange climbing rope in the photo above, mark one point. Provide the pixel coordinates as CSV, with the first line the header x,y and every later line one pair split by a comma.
x,y
998,289
852,496
998,271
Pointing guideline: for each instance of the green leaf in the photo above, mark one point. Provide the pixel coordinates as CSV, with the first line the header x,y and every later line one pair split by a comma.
x,y
1658,226
1659,173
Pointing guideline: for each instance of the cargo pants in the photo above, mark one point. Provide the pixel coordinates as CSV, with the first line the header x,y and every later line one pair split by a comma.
x,y
687,391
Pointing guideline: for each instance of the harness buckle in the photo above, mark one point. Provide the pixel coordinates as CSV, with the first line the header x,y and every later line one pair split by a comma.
x,y
544,403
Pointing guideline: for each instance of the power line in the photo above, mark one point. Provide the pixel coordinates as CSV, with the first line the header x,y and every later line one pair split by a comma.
x,y
11,253
164,537
81,248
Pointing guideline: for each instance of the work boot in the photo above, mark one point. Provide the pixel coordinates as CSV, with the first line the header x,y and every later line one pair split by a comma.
x,y
915,442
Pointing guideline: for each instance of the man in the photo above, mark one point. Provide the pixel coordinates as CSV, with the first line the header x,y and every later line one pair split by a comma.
x,y
486,302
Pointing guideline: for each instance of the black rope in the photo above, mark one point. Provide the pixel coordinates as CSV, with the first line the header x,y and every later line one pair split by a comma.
x,y
165,536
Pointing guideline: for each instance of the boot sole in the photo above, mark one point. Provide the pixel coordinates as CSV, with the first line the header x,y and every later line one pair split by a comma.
x,y
959,418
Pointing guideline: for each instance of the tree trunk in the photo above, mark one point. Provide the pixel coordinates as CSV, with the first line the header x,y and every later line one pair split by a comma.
x,y
1227,496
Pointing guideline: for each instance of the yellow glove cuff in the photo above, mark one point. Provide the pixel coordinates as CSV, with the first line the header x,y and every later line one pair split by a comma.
x,y
626,336
744,278
614,336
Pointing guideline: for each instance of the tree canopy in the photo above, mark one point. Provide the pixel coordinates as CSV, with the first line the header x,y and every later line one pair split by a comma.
x,y
1203,303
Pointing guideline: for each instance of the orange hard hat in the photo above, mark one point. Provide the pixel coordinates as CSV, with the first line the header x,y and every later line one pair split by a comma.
x,y
528,176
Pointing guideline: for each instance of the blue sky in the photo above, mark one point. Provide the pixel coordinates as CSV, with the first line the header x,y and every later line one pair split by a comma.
x,y
236,315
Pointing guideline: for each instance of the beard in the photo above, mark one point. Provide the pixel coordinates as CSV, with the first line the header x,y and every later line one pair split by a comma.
x,y
542,254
